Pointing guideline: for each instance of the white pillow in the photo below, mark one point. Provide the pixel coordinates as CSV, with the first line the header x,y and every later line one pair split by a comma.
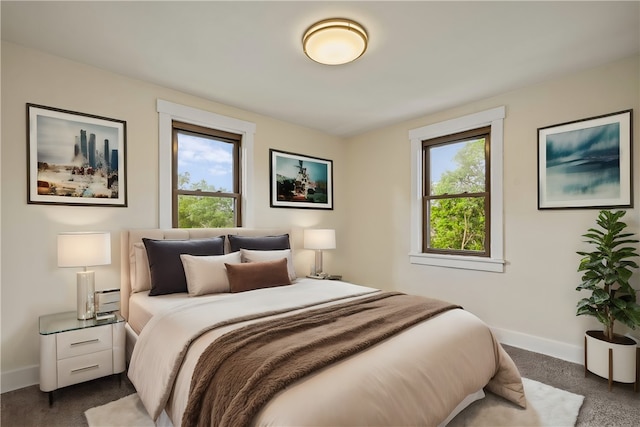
x,y
139,265
207,274
260,256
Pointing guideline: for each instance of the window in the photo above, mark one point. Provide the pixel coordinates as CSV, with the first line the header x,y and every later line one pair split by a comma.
x,y
210,128
456,218
456,199
206,177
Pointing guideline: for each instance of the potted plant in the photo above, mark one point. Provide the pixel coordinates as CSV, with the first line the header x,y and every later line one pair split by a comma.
x,y
607,270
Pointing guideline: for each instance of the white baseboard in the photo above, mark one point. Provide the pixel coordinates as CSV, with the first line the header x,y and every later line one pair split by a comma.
x,y
557,349
19,378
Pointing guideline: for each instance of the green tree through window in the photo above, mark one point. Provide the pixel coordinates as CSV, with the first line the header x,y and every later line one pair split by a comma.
x,y
203,211
206,177
457,201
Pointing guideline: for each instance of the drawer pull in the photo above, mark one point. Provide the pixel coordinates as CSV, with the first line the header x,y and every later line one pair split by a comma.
x,y
88,368
85,342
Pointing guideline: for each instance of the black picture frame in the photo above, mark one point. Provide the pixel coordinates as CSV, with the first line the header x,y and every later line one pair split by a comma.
x,y
300,181
75,158
587,163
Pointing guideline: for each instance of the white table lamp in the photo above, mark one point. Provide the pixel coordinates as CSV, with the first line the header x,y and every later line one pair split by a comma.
x,y
319,239
84,249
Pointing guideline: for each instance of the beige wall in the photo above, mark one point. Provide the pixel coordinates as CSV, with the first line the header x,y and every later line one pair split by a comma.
x,y
32,284
533,302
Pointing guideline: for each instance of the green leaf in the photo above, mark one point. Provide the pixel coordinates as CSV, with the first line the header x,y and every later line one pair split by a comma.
x,y
600,297
607,271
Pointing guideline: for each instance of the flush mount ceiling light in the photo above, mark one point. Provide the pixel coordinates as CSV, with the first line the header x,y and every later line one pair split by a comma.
x,y
335,41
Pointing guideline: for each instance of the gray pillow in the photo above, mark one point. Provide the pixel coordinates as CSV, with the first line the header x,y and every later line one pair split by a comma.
x,y
262,243
165,265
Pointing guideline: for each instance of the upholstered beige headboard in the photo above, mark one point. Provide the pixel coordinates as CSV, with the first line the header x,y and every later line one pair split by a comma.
x,y
129,238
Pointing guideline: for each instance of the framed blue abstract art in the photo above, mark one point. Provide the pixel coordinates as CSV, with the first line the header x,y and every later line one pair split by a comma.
x,y
586,163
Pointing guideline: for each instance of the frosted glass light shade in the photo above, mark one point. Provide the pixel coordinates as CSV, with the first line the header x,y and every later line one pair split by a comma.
x,y
319,239
84,249
335,41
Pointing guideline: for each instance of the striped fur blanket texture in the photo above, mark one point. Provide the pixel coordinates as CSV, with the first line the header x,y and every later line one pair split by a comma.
x,y
239,372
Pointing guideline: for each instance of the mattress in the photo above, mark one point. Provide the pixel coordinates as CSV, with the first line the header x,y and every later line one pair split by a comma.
x,y
142,307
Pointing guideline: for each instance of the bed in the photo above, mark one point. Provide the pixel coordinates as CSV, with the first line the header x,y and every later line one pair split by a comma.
x,y
422,372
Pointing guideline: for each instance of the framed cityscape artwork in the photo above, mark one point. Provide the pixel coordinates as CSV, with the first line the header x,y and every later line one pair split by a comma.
x,y
75,158
299,181
586,163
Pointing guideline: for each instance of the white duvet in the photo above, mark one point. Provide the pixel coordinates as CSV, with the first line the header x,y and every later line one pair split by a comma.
x,y
417,377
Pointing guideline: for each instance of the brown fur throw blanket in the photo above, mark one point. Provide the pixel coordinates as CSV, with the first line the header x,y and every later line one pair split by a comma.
x,y
238,373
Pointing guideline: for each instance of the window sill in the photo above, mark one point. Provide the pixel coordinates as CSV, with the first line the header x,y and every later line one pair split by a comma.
x,y
458,261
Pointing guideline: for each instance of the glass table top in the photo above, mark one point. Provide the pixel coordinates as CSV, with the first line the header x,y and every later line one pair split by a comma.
x,y
67,321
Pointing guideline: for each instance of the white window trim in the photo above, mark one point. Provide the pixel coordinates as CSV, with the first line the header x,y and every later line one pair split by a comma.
x,y
167,112
495,263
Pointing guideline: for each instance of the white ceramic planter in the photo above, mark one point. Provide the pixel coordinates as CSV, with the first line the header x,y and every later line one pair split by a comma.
x,y
624,358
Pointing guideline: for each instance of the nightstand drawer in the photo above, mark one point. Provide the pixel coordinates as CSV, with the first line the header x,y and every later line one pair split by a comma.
x,y
78,369
83,341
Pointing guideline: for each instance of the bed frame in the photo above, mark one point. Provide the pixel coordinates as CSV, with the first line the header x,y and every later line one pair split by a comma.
x,y
130,237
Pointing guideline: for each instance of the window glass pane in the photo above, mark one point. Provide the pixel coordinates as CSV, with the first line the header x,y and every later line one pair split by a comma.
x,y
204,163
457,224
205,211
457,168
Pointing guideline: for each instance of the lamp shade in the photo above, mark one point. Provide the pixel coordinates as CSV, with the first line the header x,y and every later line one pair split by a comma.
x,y
335,41
319,239
84,249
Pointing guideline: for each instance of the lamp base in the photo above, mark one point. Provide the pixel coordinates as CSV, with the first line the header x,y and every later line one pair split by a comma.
x,y
317,268
86,289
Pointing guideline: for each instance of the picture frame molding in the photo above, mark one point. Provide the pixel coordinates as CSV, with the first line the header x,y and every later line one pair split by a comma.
x,y
625,139
119,128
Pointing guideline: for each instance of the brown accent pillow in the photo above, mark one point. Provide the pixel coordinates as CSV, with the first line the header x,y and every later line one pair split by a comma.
x,y
257,275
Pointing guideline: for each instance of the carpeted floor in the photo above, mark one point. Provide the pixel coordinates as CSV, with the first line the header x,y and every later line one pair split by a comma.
x,y
601,408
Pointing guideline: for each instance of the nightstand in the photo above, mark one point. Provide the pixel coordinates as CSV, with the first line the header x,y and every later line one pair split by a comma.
x,y
73,351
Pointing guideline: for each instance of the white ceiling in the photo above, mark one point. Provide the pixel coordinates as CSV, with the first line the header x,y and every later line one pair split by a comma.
x,y
423,57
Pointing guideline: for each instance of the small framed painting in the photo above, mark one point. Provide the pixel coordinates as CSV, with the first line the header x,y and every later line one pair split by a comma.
x,y
586,163
75,158
299,181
